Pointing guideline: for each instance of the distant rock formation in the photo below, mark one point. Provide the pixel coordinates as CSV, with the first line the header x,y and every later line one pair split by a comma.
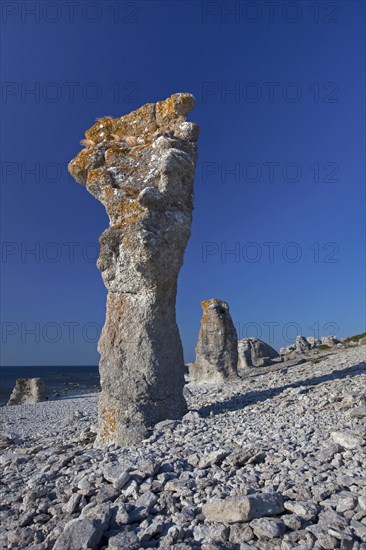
x,y
253,352
304,346
217,346
301,345
27,391
141,168
329,341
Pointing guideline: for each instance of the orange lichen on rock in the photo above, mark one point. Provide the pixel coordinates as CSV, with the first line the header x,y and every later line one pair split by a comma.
x,y
108,426
206,304
141,168
128,212
176,106
101,130
86,160
124,140
99,181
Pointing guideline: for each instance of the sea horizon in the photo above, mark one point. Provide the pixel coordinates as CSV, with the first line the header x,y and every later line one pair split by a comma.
x,y
60,380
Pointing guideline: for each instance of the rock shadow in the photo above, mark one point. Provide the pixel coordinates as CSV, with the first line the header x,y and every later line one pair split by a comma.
x,y
239,402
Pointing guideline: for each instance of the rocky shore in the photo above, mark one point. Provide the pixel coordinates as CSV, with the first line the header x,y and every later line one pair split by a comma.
x,y
273,460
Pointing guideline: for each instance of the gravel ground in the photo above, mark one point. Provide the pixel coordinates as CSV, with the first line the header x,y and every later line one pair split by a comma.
x,y
58,418
276,460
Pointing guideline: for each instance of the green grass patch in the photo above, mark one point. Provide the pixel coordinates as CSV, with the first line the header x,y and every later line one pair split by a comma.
x,y
323,347
355,338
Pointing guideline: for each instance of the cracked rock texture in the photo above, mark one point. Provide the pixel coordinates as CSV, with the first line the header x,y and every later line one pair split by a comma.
x,y
141,168
217,346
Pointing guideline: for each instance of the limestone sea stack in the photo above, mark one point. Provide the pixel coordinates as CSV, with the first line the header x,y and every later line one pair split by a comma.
x,y
217,346
141,168
27,391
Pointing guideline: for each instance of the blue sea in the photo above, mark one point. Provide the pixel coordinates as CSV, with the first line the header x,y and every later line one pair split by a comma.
x,y
60,381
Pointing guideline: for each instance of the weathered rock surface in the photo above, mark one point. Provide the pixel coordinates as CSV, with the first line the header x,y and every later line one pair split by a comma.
x,y
237,510
141,168
217,346
27,390
79,533
268,528
253,352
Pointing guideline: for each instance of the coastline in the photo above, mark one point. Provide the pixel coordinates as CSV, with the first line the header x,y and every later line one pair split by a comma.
x,y
60,381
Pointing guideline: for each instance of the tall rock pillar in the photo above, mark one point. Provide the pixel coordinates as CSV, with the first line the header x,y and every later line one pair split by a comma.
x,y
141,168
217,346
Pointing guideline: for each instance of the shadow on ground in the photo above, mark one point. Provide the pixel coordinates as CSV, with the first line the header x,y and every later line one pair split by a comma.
x,y
238,402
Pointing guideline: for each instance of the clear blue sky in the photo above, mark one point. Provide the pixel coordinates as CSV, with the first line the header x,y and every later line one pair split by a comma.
x,y
280,178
